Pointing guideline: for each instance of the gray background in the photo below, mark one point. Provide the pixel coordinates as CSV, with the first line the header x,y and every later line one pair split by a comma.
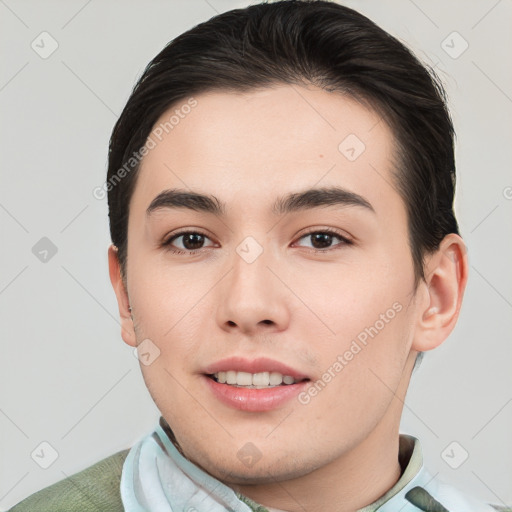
x,y
66,376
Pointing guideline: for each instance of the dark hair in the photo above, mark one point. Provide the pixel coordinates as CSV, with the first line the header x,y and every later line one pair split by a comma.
x,y
302,42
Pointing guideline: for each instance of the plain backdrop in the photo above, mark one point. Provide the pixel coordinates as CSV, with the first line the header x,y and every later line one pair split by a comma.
x,y
68,379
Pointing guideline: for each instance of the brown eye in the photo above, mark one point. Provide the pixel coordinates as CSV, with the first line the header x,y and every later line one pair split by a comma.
x,y
192,241
321,240
186,241
324,240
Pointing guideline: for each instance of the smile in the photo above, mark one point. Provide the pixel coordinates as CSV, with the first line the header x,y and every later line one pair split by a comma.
x,y
260,380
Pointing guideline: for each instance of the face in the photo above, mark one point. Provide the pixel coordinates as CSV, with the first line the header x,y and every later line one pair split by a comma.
x,y
317,289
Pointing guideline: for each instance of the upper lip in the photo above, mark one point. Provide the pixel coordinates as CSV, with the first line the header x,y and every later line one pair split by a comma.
x,y
261,364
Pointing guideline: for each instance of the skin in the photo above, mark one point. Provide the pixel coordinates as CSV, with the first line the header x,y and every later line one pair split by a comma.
x,y
304,308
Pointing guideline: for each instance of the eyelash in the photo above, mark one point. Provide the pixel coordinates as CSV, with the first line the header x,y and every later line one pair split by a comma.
x,y
167,243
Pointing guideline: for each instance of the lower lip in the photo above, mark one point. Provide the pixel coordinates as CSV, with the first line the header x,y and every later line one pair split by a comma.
x,y
254,400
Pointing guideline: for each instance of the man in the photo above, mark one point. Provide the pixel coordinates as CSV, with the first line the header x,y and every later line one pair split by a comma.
x,y
284,249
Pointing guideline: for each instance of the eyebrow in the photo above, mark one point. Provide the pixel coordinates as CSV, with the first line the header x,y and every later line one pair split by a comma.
x,y
293,202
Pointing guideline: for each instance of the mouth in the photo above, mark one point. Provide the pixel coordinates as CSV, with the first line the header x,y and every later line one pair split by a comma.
x,y
255,386
260,380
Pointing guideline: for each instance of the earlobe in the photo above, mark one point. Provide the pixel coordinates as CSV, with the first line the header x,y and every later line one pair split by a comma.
x,y
127,327
446,277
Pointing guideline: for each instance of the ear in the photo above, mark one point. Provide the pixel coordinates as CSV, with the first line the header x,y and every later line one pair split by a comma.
x,y
127,328
446,274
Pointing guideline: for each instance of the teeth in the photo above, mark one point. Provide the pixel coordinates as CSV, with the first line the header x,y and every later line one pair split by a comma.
x,y
244,379
253,380
275,379
260,379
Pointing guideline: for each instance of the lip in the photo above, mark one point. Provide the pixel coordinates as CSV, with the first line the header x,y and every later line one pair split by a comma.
x,y
261,364
254,400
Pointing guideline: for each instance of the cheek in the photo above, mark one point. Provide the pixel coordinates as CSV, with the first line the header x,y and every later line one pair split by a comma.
x,y
361,372
166,297
166,318
351,298
364,352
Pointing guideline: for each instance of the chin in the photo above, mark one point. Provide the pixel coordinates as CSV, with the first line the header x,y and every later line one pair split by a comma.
x,y
243,470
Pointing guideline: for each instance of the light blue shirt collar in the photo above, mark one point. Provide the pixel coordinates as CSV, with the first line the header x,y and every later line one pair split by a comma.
x,y
157,477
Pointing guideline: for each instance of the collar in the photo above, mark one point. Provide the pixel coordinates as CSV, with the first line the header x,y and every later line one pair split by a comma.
x,y
157,476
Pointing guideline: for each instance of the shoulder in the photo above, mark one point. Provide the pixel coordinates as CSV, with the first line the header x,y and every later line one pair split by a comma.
x,y
92,489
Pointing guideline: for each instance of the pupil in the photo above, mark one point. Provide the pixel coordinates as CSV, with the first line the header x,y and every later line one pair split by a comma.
x,y
324,239
193,241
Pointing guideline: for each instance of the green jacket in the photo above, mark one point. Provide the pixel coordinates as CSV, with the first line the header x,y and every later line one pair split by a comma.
x,y
95,489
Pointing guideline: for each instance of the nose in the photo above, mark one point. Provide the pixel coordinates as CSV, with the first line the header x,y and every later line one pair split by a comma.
x,y
252,299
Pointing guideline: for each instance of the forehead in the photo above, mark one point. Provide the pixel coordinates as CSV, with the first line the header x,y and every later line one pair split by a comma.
x,y
252,146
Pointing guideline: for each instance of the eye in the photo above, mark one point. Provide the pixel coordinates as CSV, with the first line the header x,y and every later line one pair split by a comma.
x,y
192,242
187,242
322,240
